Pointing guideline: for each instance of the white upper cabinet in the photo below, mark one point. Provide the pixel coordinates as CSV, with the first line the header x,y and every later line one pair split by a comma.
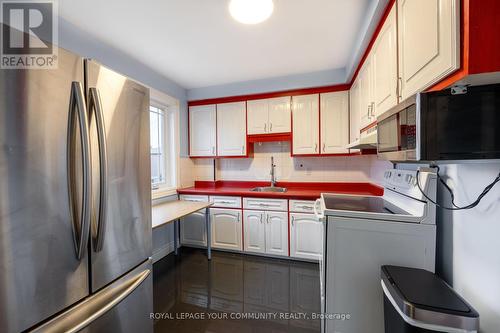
x,y
231,129
428,42
269,116
202,130
365,79
385,66
279,115
305,114
258,116
354,112
334,120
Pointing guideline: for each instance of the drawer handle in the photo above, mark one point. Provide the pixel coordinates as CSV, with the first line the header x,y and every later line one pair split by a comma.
x,y
306,207
224,202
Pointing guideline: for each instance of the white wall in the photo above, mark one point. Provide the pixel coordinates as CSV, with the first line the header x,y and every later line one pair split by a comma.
x,y
469,241
298,169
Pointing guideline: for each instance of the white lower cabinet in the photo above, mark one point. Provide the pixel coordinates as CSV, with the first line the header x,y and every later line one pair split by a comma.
x,y
193,229
306,236
226,229
255,231
266,232
277,233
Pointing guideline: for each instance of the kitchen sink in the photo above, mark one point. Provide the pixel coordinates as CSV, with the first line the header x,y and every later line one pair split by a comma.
x,y
268,189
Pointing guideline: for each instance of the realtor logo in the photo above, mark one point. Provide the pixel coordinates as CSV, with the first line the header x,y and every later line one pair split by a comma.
x,y
29,30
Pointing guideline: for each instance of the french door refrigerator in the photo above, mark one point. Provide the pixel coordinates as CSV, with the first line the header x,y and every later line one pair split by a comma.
x,y
75,200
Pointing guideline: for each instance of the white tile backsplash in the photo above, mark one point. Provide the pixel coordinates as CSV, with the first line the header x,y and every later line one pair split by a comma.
x,y
300,169
296,169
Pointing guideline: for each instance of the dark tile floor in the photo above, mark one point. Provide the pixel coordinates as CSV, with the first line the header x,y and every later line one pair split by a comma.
x,y
231,285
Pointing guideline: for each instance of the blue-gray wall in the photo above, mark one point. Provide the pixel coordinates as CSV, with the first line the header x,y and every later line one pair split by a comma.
x,y
74,39
306,80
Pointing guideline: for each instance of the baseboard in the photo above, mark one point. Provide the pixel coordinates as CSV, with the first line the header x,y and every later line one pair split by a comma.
x,y
163,251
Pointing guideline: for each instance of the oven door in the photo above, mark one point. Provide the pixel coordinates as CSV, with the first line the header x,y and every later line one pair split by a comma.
x,y
397,134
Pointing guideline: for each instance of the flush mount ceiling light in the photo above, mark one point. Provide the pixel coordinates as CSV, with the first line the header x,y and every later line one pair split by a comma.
x,y
251,11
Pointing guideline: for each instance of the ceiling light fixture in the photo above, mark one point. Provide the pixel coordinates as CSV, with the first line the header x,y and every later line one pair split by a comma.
x,y
251,11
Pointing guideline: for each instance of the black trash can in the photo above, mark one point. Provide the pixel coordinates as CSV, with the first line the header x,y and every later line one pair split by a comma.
x,y
416,300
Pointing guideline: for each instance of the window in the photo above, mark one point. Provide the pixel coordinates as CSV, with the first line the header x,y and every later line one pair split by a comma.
x,y
158,156
164,131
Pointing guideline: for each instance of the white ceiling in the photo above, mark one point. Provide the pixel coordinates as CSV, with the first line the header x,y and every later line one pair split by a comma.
x,y
196,43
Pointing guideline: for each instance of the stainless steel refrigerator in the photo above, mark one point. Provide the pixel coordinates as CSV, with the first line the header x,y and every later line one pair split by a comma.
x,y
75,200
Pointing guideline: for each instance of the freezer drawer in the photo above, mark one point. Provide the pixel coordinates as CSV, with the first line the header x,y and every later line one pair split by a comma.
x,y
123,306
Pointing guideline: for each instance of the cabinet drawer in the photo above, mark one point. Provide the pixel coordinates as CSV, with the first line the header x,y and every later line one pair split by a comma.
x,y
225,201
196,198
302,206
265,204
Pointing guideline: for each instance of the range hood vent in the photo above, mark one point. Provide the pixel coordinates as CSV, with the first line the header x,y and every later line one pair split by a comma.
x,y
367,140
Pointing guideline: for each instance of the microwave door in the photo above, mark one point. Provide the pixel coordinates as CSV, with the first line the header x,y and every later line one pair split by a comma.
x,y
389,133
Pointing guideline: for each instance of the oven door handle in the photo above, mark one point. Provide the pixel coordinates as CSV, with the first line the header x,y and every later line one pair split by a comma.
x,y
320,216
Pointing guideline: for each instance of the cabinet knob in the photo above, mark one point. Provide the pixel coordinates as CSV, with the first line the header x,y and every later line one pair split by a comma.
x,y
315,147
265,127
270,127
324,147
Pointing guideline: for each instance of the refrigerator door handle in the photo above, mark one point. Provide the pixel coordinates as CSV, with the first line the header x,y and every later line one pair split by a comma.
x,y
99,225
80,220
82,315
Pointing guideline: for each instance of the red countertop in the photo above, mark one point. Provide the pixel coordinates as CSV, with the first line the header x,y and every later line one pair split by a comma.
x,y
295,190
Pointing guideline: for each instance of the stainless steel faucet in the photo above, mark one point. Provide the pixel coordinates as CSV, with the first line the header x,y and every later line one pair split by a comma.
x,y
273,177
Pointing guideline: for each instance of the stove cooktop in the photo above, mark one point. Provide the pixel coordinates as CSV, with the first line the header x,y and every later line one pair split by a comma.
x,y
360,204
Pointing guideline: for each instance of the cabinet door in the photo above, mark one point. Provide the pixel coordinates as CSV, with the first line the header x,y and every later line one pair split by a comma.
x,y
202,133
231,129
428,42
279,115
354,112
305,124
385,63
365,94
226,228
334,120
277,233
306,236
258,116
193,229
255,231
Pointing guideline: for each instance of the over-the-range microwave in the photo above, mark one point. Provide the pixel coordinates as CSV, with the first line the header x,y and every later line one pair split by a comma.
x,y
442,125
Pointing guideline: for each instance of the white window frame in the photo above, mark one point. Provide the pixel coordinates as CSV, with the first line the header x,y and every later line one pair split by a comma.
x,y
171,144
